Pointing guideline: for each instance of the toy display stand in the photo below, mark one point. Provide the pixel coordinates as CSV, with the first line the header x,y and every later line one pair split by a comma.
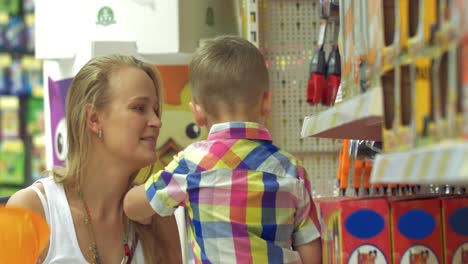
x,y
357,118
441,156
444,163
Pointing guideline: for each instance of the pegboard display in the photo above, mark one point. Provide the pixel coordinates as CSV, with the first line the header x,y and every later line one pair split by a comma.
x,y
322,170
288,39
288,34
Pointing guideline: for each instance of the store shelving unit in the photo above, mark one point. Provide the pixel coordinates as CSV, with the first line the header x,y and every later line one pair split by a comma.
x,y
361,118
252,25
287,36
357,118
445,163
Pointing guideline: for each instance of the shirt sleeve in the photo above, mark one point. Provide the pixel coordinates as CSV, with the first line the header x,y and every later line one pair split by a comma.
x,y
167,189
306,226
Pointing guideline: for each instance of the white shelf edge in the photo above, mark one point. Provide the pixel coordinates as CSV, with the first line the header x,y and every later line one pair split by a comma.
x,y
357,118
446,163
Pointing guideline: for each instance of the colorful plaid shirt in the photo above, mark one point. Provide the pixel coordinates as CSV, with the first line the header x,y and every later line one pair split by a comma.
x,y
246,200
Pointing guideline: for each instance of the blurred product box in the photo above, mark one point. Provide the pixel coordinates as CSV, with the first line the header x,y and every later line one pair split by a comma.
x,y
35,116
416,229
8,191
455,228
9,117
12,162
38,159
355,230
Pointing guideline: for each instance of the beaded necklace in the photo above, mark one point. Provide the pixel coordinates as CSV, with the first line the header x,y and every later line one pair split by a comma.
x,y
92,236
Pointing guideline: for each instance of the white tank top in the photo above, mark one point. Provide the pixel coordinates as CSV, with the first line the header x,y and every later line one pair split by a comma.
x,y
63,244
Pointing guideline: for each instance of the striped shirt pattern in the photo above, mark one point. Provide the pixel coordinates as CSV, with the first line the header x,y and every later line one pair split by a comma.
x,y
246,201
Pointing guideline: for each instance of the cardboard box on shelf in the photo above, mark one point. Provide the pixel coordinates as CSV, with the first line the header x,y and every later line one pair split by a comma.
x,y
415,224
459,12
355,230
12,162
455,228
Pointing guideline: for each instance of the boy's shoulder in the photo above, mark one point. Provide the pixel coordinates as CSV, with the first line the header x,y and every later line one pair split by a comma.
x,y
205,146
293,159
198,146
255,155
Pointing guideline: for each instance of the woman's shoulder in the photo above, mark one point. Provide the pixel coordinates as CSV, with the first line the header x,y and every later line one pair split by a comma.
x,y
28,198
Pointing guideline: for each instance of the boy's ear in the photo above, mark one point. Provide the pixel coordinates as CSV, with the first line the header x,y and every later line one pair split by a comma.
x,y
92,119
198,114
267,103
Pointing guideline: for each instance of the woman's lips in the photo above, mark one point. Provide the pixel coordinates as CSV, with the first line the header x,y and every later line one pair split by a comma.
x,y
150,140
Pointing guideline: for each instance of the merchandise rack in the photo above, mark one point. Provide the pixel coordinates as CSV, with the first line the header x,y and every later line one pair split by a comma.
x,y
445,163
357,118
287,36
361,118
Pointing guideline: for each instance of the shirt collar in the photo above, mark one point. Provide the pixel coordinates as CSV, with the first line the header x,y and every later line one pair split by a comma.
x,y
239,130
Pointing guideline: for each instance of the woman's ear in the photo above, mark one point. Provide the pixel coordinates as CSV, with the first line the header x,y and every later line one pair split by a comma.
x,y
198,113
92,118
267,102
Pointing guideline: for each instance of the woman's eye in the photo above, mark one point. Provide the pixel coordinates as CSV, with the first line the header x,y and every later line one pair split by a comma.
x,y
139,108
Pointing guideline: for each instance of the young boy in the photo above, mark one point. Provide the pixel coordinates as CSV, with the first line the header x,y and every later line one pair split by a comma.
x,y
246,200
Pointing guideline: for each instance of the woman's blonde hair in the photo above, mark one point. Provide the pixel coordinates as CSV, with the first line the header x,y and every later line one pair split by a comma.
x,y
90,87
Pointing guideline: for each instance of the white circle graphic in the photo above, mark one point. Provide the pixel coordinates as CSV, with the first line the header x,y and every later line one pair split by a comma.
x,y
419,255
60,140
367,254
461,254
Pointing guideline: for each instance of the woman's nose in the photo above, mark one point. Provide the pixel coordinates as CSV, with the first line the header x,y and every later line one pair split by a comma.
x,y
155,121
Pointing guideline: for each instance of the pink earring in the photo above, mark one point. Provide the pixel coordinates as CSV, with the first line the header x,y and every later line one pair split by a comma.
x,y
100,133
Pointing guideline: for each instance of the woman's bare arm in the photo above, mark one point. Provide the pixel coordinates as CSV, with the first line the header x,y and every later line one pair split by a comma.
x,y
27,198
165,227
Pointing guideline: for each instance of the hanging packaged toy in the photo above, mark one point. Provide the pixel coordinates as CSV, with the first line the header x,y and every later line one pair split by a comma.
x,y
18,79
15,34
4,18
32,75
9,117
29,33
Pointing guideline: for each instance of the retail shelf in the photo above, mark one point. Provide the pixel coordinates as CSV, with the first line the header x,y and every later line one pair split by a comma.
x,y
357,118
446,163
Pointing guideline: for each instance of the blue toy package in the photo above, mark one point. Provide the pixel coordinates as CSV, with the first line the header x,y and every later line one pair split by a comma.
x,y
4,76
29,33
18,79
32,72
15,34
4,18
4,89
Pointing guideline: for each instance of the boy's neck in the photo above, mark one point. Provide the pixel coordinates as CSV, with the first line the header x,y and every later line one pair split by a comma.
x,y
234,118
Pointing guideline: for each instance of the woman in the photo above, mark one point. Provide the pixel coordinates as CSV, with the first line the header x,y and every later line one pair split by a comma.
x,y
113,119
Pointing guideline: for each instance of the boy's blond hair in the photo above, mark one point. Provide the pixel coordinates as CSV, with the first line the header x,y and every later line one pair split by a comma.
x,y
228,73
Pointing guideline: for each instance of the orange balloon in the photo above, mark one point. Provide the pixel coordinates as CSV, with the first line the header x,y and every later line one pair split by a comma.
x,y
23,235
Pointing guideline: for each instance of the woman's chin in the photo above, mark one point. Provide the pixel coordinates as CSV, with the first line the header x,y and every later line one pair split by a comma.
x,y
150,160
143,160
